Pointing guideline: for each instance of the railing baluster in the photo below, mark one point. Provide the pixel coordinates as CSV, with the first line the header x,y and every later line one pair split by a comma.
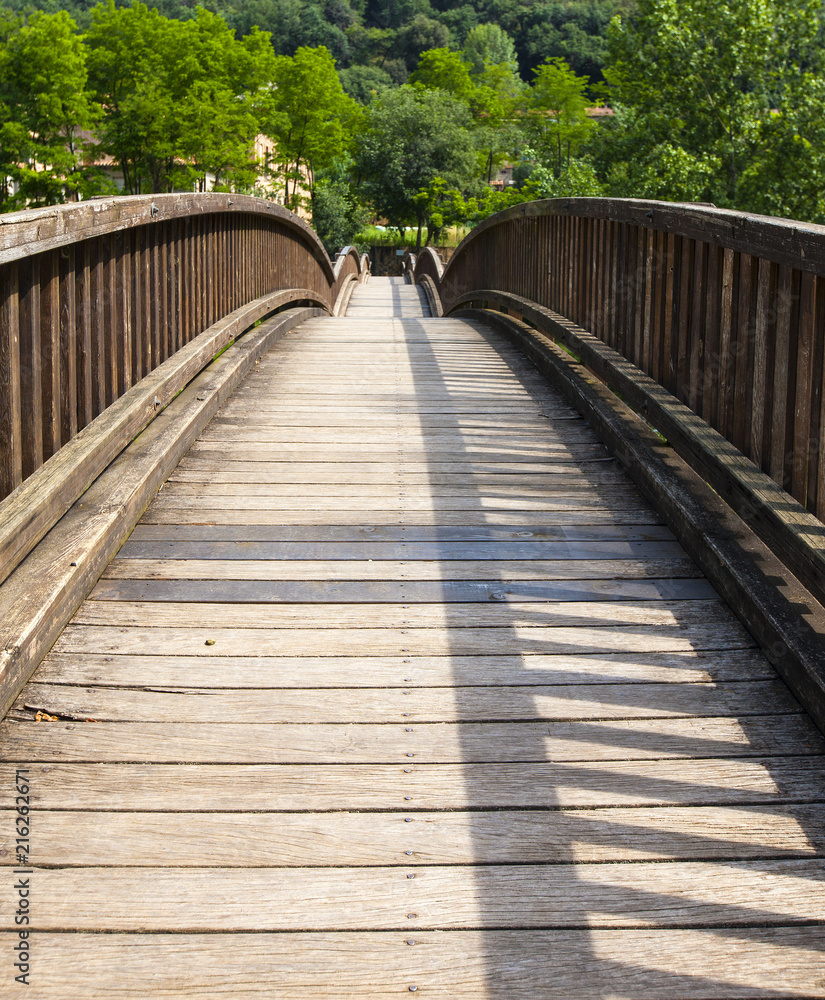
x,y
11,453
724,382
83,318
816,466
50,351
759,449
784,361
803,388
744,342
68,344
31,368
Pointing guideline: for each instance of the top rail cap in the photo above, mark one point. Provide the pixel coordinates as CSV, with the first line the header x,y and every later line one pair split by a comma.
x,y
35,230
783,241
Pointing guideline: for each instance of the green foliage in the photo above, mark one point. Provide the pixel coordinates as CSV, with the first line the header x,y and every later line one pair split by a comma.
x,y
46,109
413,135
714,89
557,120
310,117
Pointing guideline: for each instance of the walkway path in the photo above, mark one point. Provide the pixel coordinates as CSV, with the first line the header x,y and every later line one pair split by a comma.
x,y
399,687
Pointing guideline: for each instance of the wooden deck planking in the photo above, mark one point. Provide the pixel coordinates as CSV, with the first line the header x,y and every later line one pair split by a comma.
x,y
743,964
392,655
315,789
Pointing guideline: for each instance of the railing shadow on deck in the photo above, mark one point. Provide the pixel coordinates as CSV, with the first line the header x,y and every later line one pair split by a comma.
x,y
555,927
710,324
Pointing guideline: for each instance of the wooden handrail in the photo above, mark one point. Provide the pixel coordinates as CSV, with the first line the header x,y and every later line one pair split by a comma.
x,y
94,297
723,310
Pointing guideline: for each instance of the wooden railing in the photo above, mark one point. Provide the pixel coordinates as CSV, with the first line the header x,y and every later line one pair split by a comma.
x,y
723,312
726,311
96,297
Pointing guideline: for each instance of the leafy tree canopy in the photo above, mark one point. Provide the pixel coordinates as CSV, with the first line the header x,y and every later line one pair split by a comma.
x,y
708,92
309,115
412,136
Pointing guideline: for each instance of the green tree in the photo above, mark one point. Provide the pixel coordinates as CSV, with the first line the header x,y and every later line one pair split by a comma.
x,y
713,87
48,109
310,117
412,136
557,120
493,92
489,45
129,49
337,214
497,107
442,69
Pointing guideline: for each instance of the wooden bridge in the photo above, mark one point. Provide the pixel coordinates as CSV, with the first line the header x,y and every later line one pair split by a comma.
x,y
460,636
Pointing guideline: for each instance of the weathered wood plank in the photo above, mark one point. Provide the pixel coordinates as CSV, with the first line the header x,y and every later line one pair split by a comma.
x,y
427,495
674,894
217,640
395,616
215,457
126,670
364,474
279,839
245,543
549,453
413,592
412,438
319,788
652,964
619,570
416,705
490,531
195,515
468,742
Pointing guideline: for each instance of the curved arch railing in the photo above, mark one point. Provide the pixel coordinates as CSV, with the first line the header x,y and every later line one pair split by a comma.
x,y
97,296
721,315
